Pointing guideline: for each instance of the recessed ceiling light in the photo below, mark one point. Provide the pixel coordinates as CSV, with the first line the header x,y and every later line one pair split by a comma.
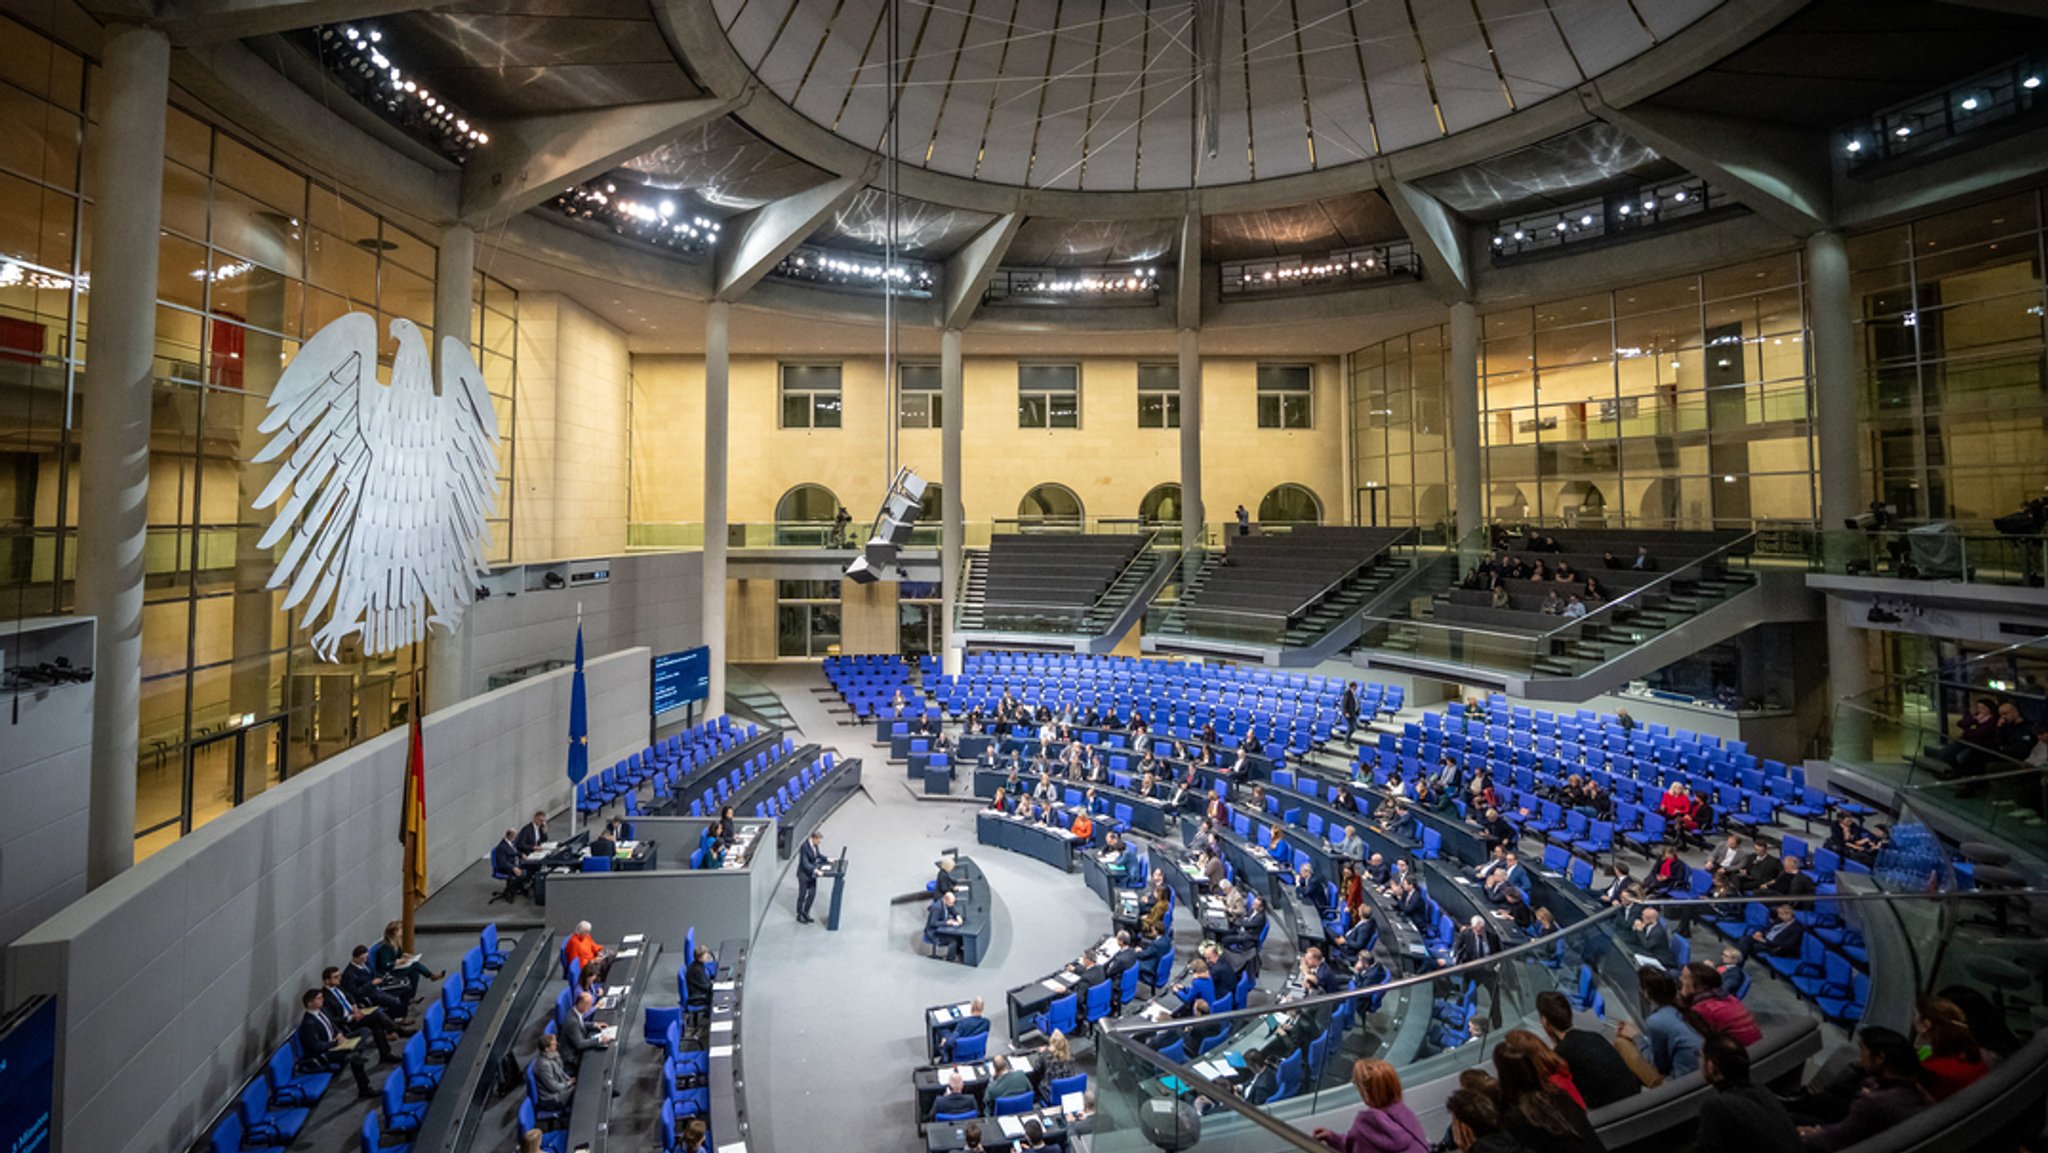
x,y
1855,146
1969,103
2031,83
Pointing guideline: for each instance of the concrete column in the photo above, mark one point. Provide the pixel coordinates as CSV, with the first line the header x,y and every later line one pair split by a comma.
x,y
717,365
953,506
449,658
113,491
1192,517
1838,430
1469,477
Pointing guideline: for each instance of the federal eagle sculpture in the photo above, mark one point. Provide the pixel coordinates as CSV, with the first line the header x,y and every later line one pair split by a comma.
x,y
390,486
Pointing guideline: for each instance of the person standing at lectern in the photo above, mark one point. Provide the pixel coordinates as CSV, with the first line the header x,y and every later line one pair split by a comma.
x,y
810,859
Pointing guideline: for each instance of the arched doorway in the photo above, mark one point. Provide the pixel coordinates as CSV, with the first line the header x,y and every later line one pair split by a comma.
x,y
1290,504
1050,507
804,516
1161,506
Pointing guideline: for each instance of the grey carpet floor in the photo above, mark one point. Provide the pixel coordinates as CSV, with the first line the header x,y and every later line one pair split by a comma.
x,y
833,1022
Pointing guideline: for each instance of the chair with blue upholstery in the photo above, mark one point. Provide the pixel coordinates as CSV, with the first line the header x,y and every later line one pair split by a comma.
x,y
1059,1015
1013,1104
972,1048
373,1138
1097,1006
1059,1087
555,1142
291,1088
265,1124
399,1116
420,1077
494,957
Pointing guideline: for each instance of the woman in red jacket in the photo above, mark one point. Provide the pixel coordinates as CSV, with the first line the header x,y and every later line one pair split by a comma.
x,y
1699,989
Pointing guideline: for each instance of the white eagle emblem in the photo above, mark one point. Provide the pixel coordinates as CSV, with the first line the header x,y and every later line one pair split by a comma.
x,y
391,485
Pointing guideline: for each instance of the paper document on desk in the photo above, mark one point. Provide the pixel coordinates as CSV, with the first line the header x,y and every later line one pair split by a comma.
x,y
1011,1126
632,939
1071,1104
721,1050
724,986
1213,1070
733,1147
1643,959
721,1026
628,954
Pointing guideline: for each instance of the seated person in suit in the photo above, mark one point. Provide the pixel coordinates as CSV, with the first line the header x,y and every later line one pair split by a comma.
x,y
1367,970
349,1017
360,983
1377,871
318,1041
583,949
940,916
974,1024
1495,830
1597,1069
1791,881
698,977
578,1035
1763,867
944,882
955,1101
1734,977
1783,937
557,1087
1511,874
607,842
1496,860
1619,888
1197,969
1443,1035
1350,844
1317,977
1408,901
505,862
1242,934
1006,1082
1515,904
1122,957
533,834
1157,904
1155,946
1652,935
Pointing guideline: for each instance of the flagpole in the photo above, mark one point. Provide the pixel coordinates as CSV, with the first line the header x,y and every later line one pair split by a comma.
x,y
412,831
572,736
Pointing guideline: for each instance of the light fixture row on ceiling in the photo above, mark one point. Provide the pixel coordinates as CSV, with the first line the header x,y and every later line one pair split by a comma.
x,y
359,55
1989,98
1319,270
637,212
810,264
1076,286
1608,216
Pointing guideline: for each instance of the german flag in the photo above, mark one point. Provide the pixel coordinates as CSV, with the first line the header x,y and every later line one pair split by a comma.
x,y
413,832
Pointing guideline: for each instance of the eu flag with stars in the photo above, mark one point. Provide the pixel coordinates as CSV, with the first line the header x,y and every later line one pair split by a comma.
x,y
579,721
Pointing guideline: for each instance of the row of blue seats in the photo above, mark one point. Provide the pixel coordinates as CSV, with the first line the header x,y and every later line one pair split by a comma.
x,y
668,760
719,791
790,792
273,1107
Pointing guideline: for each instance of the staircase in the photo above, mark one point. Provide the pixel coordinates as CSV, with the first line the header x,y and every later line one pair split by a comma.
x,y
1099,627
1678,619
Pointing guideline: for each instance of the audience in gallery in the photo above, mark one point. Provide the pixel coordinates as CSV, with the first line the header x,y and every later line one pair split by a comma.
x,y
1534,1106
1476,1125
349,1017
1738,1114
1949,1053
1701,993
1385,1124
1783,937
551,1077
325,1046
386,955
1597,1069
1666,1040
695,1137
578,1035
1889,1087
582,949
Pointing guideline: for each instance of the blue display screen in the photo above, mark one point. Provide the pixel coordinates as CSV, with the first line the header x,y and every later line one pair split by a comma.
x,y
28,1066
680,678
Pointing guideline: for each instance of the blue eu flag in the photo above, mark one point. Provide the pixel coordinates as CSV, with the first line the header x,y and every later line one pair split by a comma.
x,y
579,720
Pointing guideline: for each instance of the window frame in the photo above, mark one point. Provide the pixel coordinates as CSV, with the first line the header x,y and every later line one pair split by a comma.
x,y
1046,397
932,396
813,398
1287,402
1167,416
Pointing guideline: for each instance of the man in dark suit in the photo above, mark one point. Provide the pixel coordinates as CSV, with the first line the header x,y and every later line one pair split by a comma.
x,y
974,1024
362,987
318,1039
1783,937
1316,974
534,834
1156,945
1653,936
1221,974
697,978
1244,935
607,842
1738,1114
578,1035
1597,1069
810,860
1791,881
1377,871
1730,858
955,1101
1408,901
505,863
939,918
1511,874
349,1017
1763,868
1476,942
1122,958
1618,888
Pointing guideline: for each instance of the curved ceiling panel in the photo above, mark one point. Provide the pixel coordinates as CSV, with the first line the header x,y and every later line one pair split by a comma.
x,y
510,58
924,231
1103,94
1046,242
1338,222
1581,163
730,167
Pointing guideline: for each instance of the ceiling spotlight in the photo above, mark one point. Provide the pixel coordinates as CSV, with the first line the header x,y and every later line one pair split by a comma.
x,y
348,33
1649,203
483,138
2031,83
1586,221
1498,241
1854,147
1518,234
1679,196
1969,103
1903,131
375,36
668,208
1561,226
1623,210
